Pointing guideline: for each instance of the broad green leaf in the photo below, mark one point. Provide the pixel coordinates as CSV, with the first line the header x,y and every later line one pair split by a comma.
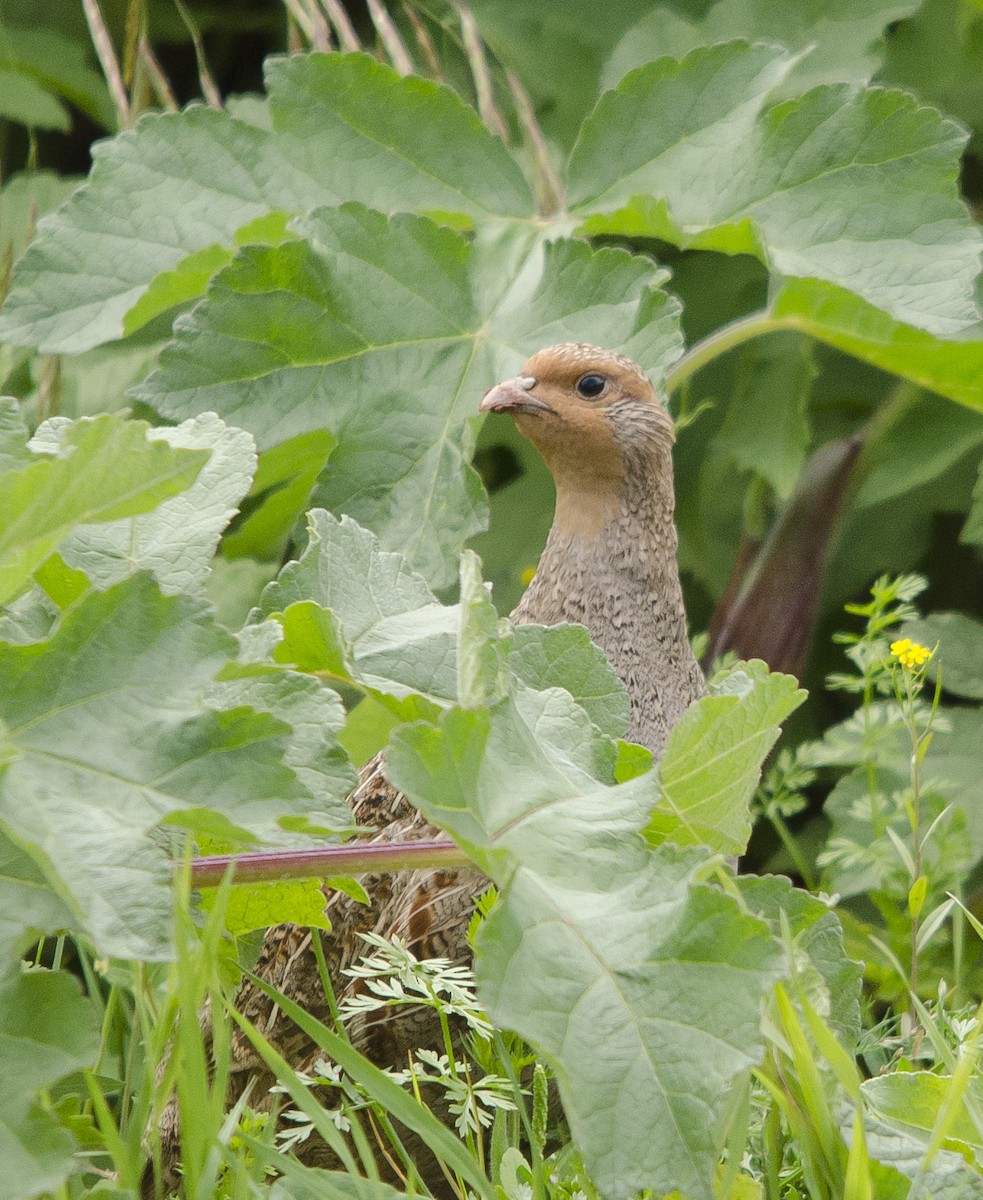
x,y
58,59
171,290
177,540
25,100
683,151
344,128
913,1099
108,468
13,436
842,39
896,1140
387,333
924,442
313,717
564,656
712,760
29,907
557,48
356,612
483,640
393,142
23,198
959,657
399,638
260,905
116,725
47,1030
640,984
973,529
953,368
766,429
830,979
278,497
937,53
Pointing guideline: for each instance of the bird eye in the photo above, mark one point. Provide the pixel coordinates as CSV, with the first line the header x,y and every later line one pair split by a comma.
x,y
590,386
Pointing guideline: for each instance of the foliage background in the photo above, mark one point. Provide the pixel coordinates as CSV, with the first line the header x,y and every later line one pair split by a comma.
x,y
822,274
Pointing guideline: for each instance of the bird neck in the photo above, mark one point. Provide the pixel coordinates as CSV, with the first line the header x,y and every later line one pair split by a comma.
x,y
610,564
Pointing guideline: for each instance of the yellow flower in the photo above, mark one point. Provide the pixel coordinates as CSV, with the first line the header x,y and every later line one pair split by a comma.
x,y
527,575
909,653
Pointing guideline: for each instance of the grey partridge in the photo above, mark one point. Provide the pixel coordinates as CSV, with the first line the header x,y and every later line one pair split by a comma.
x,y
609,564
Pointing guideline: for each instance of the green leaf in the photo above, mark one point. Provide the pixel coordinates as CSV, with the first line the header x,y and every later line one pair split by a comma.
x,y
28,102
260,905
29,907
766,429
683,151
835,316
23,198
393,142
57,59
108,468
278,497
925,441
640,984
831,980
14,452
937,53
973,529
387,332
47,1030
712,761
177,541
842,38
557,49
116,724
483,641
904,1107
399,638
564,656
913,1099
959,658
396,143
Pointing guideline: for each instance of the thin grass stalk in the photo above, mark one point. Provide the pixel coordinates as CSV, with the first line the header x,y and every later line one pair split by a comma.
x,y
106,54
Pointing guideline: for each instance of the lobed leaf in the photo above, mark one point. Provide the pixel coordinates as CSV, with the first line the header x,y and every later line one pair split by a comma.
x,y
343,128
106,469
712,760
597,946
177,540
387,332
685,151
47,1030
115,724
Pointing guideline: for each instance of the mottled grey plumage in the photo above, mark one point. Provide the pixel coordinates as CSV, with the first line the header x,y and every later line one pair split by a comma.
x,y
610,564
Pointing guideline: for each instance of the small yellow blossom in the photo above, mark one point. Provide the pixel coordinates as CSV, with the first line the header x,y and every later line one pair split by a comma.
x,y
527,575
909,653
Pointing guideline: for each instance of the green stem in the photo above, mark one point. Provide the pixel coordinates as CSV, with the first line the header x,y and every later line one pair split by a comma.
x,y
722,340
792,849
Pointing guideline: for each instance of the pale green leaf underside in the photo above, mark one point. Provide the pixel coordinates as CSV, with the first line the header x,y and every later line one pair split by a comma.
x,y
857,189
177,540
47,1030
387,333
115,725
597,946
107,469
344,128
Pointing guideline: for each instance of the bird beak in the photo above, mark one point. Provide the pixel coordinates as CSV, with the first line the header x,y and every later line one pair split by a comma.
x,y
513,396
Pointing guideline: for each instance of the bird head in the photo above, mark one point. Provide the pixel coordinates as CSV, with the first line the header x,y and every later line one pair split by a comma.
x,y
592,414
